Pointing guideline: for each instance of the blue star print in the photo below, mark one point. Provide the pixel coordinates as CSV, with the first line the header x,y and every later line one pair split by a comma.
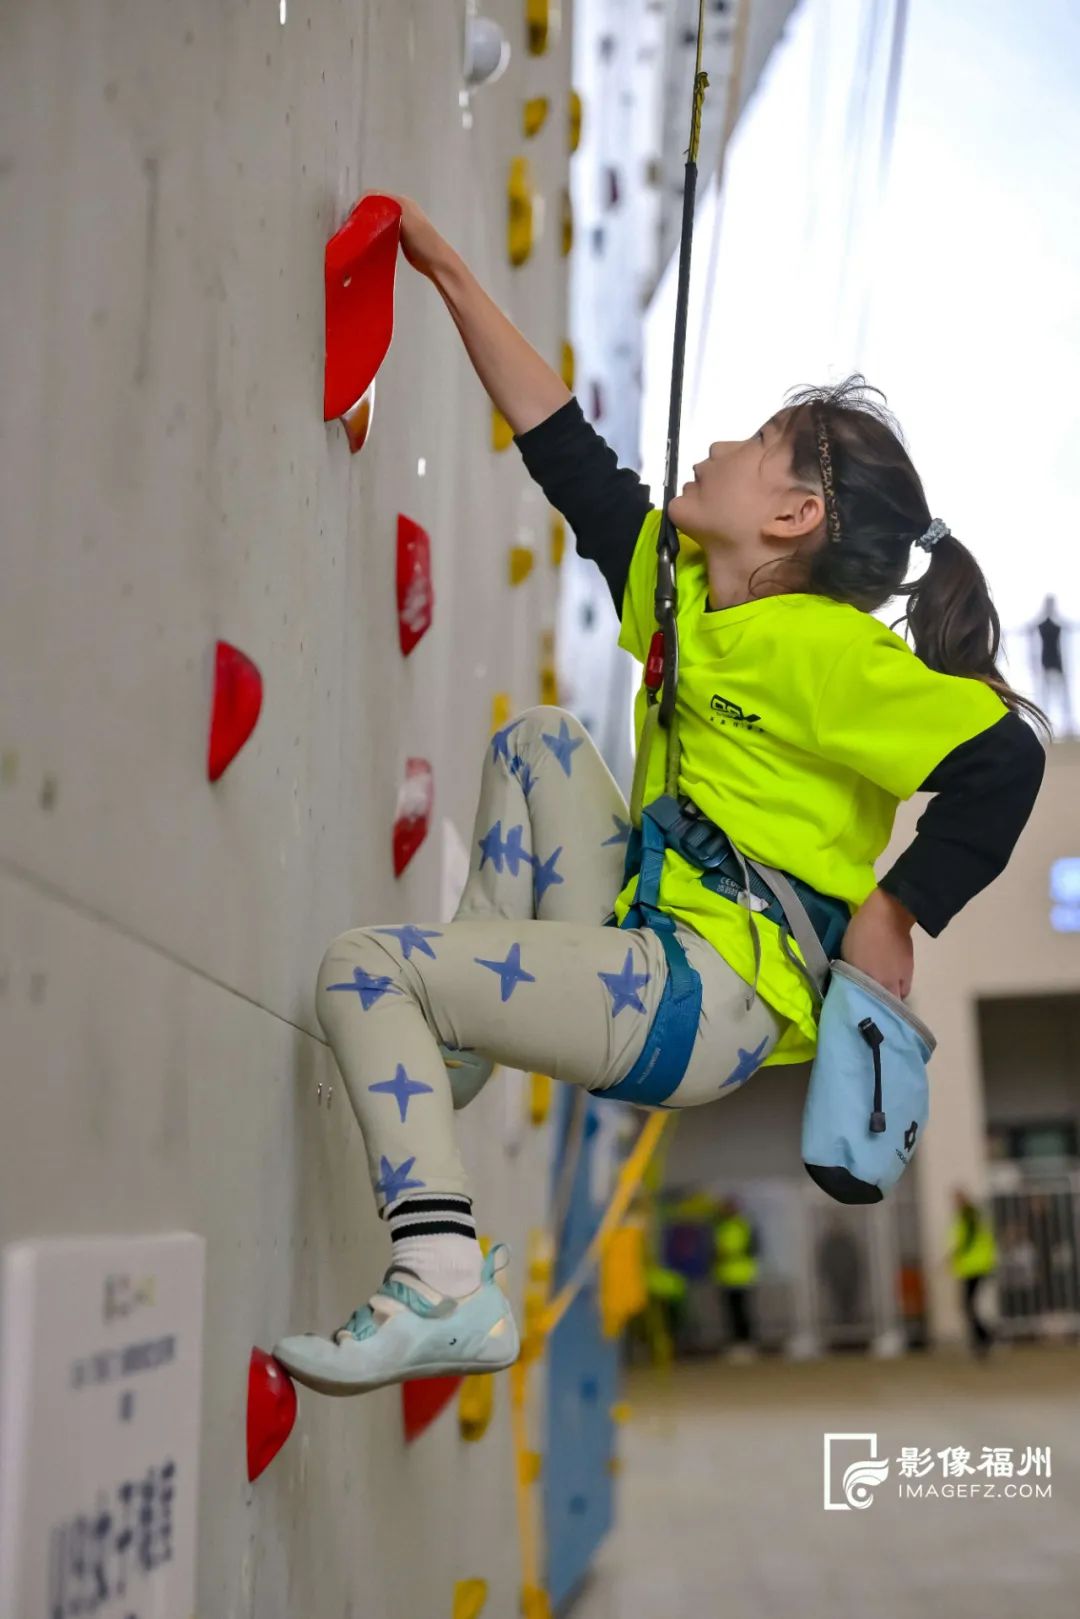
x,y
369,986
402,1089
748,1063
495,850
525,776
500,742
563,745
622,833
510,971
545,876
411,939
623,987
395,1181
513,851
492,845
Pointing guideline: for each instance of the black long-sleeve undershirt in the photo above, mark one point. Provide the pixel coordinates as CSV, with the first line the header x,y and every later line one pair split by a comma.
x,y
984,790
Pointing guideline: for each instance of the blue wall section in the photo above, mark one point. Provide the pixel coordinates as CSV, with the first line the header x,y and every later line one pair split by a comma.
x,y
583,1380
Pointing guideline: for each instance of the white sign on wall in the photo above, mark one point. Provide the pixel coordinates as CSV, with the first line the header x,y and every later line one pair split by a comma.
x,y
100,1382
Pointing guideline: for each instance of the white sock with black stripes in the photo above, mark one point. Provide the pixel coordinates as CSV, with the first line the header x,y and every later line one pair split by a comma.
x,y
435,1236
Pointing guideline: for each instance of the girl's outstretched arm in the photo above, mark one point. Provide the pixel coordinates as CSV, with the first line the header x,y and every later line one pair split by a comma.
x,y
522,384
605,504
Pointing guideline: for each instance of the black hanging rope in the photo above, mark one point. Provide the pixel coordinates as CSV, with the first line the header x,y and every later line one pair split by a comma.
x,y
667,542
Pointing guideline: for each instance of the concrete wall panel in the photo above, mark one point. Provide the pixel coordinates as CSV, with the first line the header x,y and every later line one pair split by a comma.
x,y
176,173
166,479
141,1097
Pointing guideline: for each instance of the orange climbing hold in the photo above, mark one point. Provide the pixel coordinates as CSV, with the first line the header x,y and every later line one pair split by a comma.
x,y
271,1411
422,1400
359,273
357,421
235,708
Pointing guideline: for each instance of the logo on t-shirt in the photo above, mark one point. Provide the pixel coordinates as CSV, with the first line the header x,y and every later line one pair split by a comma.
x,y
732,714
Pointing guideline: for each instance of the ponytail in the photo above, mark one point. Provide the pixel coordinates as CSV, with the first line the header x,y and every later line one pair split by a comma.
x,y
955,628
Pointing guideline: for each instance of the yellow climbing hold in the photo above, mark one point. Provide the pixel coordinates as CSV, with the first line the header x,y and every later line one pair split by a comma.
x,y
522,558
502,434
541,25
541,1255
534,115
476,1404
540,1089
549,682
620,1411
469,1598
575,122
533,1337
623,1293
567,367
530,1465
567,222
558,541
520,197
535,1602
500,710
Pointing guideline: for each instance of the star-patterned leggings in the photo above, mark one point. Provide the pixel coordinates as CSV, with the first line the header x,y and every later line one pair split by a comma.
x,y
526,974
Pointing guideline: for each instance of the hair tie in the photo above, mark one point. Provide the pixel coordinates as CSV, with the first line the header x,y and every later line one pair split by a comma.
x,y
937,531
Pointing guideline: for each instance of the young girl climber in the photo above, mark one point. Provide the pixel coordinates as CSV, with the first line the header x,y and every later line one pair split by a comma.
x,y
803,721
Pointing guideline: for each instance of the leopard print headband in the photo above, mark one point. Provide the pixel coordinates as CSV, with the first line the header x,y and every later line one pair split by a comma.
x,y
832,516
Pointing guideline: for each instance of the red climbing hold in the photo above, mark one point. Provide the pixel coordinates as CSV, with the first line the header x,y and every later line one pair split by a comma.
x,y
415,797
423,1399
415,594
236,705
359,271
271,1411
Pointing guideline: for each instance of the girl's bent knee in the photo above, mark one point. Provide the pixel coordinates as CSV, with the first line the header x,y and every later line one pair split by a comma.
x,y
347,951
547,715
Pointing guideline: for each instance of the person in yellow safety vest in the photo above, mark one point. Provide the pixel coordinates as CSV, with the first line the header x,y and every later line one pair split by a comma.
x,y
974,1256
735,1273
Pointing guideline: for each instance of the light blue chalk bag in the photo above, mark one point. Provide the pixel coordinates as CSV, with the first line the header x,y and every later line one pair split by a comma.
x,y
868,1099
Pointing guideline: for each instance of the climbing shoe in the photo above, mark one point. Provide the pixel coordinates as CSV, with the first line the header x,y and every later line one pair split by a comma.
x,y
409,1330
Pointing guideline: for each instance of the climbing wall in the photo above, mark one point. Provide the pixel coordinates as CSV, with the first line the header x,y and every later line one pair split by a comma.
x,y
168,483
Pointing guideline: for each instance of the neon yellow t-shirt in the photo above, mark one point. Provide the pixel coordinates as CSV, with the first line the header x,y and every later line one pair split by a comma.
x,y
803,722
